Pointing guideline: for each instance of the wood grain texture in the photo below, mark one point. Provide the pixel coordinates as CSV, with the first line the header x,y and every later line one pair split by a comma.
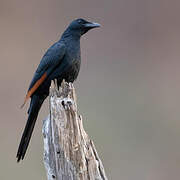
x,y
69,154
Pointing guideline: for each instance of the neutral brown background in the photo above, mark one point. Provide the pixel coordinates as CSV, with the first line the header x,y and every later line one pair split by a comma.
x,y
128,88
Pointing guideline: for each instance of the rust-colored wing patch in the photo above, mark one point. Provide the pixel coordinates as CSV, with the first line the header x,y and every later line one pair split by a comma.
x,y
34,88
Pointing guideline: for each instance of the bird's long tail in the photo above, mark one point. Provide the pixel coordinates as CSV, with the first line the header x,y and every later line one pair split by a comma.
x,y
35,105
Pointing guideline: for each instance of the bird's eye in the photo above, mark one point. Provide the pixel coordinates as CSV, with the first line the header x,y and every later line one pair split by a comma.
x,y
81,21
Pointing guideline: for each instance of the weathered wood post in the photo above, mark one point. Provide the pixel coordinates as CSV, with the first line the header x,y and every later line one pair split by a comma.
x,y
69,154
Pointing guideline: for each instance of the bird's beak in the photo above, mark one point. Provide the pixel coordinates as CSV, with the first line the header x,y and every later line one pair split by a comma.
x,y
92,25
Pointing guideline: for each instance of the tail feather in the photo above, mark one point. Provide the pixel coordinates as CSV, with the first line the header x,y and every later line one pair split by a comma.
x,y
36,102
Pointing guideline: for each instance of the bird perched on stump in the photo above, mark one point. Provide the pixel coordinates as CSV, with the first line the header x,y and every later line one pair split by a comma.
x,y
61,61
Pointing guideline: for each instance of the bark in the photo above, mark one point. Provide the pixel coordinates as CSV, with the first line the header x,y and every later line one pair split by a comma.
x,y
69,154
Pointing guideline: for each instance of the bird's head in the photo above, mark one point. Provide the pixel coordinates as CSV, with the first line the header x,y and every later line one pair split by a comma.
x,y
81,26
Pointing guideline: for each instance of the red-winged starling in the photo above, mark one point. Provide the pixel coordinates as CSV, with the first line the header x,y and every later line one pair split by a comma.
x,y
61,61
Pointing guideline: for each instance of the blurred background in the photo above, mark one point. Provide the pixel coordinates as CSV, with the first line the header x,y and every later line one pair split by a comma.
x,y
128,88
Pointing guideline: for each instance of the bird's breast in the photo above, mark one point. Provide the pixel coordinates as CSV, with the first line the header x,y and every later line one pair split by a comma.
x,y
69,69
73,70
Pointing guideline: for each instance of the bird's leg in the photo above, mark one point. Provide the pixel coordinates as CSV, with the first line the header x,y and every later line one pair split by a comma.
x,y
57,86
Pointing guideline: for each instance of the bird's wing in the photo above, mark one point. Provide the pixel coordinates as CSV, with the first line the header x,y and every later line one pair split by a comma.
x,y
50,60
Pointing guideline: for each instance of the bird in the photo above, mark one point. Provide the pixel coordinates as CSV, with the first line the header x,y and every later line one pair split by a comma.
x,y
61,61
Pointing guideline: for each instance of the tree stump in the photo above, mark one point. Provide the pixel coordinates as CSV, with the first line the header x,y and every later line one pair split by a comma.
x,y
69,154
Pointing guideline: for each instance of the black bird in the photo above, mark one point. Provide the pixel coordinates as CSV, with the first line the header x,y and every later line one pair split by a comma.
x,y
61,61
